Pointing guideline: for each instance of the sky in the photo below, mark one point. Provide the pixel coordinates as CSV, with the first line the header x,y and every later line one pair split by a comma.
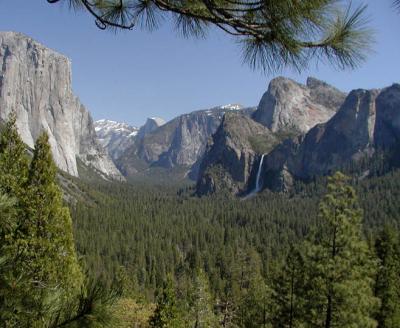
x,y
131,75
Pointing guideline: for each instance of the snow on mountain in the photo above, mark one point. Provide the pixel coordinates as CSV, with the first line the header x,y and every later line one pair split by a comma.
x,y
114,136
232,107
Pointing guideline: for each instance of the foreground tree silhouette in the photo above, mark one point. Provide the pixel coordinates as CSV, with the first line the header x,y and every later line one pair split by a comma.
x,y
340,267
388,278
274,34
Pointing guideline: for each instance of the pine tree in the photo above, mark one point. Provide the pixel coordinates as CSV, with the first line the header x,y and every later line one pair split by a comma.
x,y
388,279
10,291
201,308
41,284
288,296
50,256
274,34
16,301
166,314
250,294
256,305
339,264
13,159
93,307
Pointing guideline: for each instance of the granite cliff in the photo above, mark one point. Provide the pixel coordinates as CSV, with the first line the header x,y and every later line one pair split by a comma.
x,y
35,82
288,106
230,155
367,122
287,109
179,143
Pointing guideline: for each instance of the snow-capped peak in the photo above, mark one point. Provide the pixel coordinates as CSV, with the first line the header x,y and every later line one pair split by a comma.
x,y
104,126
232,107
115,136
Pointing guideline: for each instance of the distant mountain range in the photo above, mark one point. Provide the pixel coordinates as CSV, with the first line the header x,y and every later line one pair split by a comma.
x,y
296,132
368,122
115,137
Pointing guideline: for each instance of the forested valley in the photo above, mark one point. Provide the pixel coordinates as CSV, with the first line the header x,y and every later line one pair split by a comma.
x,y
245,252
158,256
236,204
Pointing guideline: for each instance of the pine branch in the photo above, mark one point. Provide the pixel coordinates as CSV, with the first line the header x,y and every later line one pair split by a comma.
x,y
93,306
274,34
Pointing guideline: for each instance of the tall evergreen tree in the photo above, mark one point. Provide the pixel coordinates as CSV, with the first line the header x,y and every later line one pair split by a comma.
x,y
248,289
166,314
388,279
288,296
50,256
256,305
40,279
16,301
11,293
201,308
340,266
13,159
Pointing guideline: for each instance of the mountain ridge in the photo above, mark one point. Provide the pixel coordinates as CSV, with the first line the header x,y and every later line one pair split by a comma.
x,y
177,144
368,122
286,109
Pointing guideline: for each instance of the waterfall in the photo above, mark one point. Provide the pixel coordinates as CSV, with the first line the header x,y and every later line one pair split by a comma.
x,y
258,184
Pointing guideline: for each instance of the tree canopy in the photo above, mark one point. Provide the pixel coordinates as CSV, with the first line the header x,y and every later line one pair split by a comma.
x,y
273,34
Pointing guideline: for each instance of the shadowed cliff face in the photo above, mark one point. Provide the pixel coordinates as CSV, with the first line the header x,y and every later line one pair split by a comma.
x,y
35,82
387,127
287,109
152,124
176,142
180,142
230,156
368,120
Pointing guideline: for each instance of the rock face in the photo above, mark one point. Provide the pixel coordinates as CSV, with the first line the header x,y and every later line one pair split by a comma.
x,y
387,125
230,156
152,124
290,106
286,110
180,142
115,137
367,121
35,82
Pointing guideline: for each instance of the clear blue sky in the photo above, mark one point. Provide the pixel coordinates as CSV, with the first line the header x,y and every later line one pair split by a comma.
x,y
132,75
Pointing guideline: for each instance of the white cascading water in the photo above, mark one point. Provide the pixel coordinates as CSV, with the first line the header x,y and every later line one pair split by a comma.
x,y
258,184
